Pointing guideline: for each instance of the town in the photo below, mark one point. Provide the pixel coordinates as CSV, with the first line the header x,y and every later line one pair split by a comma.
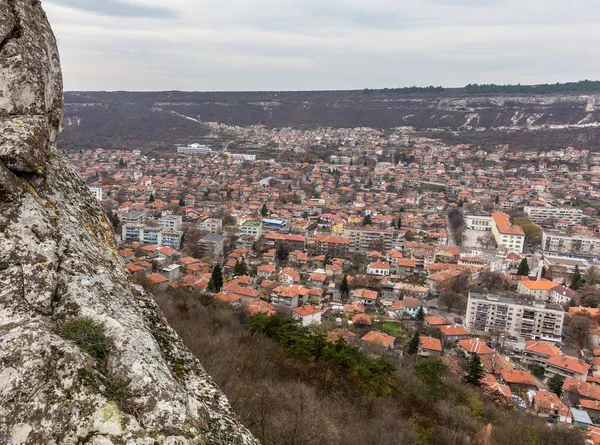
x,y
397,242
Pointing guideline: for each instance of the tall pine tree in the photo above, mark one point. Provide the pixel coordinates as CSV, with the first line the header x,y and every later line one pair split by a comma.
x,y
577,280
217,279
240,268
474,370
344,289
414,344
524,268
264,211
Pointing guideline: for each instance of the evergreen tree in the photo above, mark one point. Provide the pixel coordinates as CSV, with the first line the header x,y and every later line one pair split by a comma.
x,y
282,253
151,199
497,199
217,278
240,268
414,344
420,314
577,280
399,223
181,202
367,221
122,163
474,370
523,268
555,384
460,202
344,288
264,211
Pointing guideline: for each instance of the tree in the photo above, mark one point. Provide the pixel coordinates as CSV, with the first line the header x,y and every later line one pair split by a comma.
x,y
420,316
122,163
181,202
414,344
523,268
264,211
497,199
579,327
487,241
538,371
591,276
457,225
344,288
151,198
240,268
450,299
217,279
282,253
474,370
555,384
430,372
589,295
114,219
577,280
533,233
367,221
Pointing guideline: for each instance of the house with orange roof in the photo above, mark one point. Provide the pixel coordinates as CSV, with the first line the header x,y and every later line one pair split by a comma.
x,y
289,275
361,320
576,390
380,340
472,346
453,332
435,321
567,367
538,352
592,407
365,296
518,379
265,271
379,269
547,403
429,346
308,315
158,282
507,235
259,307
540,290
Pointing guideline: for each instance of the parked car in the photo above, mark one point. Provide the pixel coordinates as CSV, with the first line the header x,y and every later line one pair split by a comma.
x,y
458,320
433,307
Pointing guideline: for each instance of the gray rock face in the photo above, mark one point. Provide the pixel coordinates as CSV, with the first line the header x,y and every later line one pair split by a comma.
x,y
58,262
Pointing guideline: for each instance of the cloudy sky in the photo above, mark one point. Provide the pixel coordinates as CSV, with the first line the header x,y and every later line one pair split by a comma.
x,y
322,44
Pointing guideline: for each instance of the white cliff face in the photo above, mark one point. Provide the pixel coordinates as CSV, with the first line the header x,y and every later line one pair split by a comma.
x,y
58,262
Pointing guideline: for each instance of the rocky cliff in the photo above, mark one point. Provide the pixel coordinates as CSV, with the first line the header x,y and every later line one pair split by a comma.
x,y
62,287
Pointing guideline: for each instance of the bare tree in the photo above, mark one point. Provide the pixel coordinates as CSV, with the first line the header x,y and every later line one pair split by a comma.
x,y
579,327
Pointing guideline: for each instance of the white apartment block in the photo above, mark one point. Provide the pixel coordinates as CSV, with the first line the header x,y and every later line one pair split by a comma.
x,y
481,223
541,215
569,244
195,149
170,222
212,225
519,317
252,228
369,238
97,192
507,235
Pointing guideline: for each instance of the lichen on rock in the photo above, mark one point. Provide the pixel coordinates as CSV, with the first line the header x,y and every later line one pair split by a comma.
x,y
58,262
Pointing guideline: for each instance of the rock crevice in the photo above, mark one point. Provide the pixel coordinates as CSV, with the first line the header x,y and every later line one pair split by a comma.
x,y
58,263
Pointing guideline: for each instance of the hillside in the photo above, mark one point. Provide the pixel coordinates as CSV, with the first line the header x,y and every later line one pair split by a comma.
x,y
161,119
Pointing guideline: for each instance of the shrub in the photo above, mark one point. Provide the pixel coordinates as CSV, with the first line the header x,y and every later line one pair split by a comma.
x,y
88,334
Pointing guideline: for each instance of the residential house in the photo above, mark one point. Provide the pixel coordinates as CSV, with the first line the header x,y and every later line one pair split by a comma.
x,y
429,347
308,315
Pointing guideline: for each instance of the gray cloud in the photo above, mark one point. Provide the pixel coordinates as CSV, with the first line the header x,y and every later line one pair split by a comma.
x,y
117,8
322,44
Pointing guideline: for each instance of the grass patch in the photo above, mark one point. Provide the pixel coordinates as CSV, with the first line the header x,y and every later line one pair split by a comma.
x,y
392,328
88,334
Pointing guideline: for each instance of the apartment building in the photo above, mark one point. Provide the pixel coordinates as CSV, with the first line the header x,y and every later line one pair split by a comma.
x,y
332,246
212,225
195,149
170,222
570,244
252,229
133,218
96,192
519,317
543,215
364,239
507,235
151,236
481,223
